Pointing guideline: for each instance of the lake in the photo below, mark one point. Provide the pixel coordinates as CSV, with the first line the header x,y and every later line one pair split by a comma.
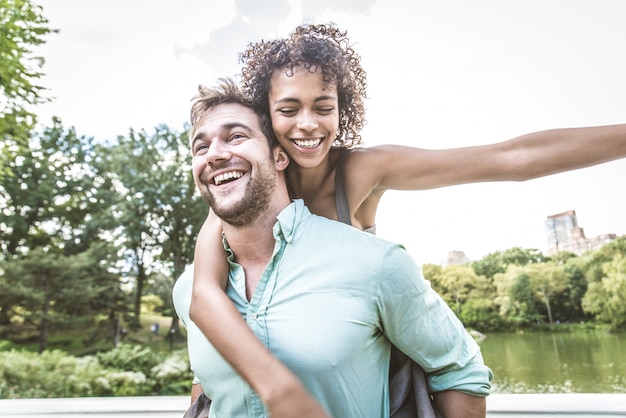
x,y
556,362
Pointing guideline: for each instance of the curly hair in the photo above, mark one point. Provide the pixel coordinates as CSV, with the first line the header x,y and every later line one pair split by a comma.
x,y
322,48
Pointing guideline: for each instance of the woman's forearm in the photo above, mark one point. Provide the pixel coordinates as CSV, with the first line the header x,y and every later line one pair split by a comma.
x,y
217,317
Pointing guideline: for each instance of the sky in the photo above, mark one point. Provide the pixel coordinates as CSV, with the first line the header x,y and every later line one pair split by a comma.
x,y
441,74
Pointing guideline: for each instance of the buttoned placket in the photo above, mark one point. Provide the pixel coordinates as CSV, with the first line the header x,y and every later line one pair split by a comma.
x,y
256,309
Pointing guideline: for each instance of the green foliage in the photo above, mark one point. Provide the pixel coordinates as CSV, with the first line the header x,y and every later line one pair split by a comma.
x,y
498,262
567,306
22,27
55,374
156,208
54,197
130,208
528,288
151,303
50,374
605,298
515,297
481,314
54,291
126,357
547,280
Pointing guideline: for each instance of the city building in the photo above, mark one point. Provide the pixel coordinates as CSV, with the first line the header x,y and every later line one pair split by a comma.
x,y
564,234
456,258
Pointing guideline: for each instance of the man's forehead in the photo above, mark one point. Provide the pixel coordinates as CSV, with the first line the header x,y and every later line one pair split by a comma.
x,y
234,112
226,115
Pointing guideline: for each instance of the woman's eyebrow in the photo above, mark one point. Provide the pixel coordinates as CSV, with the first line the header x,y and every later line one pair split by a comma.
x,y
294,100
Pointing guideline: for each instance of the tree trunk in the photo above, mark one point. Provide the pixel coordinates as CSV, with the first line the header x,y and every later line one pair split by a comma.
x,y
43,326
174,330
141,279
546,299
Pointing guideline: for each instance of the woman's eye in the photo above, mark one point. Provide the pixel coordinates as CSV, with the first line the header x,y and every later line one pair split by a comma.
x,y
288,112
325,110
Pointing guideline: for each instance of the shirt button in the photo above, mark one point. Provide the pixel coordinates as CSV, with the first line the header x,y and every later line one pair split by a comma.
x,y
253,316
238,277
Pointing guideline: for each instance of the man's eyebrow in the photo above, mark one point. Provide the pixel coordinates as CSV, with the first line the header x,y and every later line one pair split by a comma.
x,y
226,127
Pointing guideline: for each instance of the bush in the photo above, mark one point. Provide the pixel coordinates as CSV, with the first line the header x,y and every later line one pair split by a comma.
x,y
124,371
126,357
52,374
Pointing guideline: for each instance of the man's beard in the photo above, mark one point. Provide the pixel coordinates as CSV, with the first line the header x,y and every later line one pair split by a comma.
x,y
255,202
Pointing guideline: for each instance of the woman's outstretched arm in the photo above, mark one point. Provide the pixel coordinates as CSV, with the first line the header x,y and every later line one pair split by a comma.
x,y
522,158
216,316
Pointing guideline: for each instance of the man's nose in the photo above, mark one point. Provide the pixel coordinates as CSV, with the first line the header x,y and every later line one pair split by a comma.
x,y
218,151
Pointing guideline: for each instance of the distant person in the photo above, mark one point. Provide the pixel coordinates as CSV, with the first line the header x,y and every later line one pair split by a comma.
x,y
324,298
312,86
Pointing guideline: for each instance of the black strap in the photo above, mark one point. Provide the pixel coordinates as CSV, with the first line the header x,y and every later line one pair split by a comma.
x,y
341,197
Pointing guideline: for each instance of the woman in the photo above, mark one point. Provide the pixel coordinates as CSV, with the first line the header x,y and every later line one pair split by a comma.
x,y
312,86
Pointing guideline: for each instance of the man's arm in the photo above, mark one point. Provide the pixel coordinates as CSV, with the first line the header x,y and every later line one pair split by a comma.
x,y
435,338
454,404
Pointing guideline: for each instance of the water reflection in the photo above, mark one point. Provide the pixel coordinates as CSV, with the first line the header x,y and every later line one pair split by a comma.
x,y
546,362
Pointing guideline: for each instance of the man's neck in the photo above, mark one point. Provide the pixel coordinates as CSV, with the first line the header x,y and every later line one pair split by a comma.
x,y
254,243
253,246
251,243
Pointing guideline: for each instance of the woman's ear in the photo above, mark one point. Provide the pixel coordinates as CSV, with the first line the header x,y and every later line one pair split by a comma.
x,y
281,159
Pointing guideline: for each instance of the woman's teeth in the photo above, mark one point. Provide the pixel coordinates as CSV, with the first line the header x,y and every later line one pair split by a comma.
x,y
308,143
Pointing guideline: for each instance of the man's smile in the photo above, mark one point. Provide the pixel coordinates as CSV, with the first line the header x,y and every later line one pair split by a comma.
x,y
227,177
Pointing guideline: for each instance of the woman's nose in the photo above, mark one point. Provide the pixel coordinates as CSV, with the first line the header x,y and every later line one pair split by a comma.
x,y
307,121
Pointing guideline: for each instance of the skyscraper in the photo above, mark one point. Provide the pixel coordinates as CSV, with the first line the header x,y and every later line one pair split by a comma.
x,y
564,234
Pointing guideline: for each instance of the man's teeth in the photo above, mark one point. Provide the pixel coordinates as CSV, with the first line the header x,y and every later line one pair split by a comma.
x,y
231,175
308,143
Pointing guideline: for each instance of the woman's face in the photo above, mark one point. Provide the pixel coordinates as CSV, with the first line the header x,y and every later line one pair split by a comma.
x,y
304,114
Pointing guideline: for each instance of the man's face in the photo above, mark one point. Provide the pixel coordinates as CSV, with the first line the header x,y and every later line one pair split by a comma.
x,y
233,166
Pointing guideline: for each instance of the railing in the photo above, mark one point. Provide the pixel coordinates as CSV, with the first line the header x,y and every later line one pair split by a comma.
x,y
578,405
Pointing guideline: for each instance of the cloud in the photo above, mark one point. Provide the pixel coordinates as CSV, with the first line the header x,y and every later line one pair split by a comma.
x,y
315,8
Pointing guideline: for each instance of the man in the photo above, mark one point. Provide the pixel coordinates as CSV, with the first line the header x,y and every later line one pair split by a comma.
x,y
325,298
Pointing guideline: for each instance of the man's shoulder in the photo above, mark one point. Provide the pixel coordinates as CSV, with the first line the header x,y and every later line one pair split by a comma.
x,y
181,292
331,230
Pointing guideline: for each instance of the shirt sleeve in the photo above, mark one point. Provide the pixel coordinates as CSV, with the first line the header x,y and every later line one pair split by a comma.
x,y
419,322
181,297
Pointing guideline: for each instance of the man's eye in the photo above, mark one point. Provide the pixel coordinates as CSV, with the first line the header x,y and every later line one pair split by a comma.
x,y
200,149
236,137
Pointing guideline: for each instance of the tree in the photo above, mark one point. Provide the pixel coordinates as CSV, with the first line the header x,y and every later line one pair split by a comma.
x,y
22,27
547,280
497,262
157,209
457,281
55,291
55,200
568,304
605,298
53,194
515,296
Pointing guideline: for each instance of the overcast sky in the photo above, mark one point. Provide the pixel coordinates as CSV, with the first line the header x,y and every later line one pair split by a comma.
x,y
441,74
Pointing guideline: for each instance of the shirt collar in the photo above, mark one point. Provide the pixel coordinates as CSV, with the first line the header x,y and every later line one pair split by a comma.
x,y
289,219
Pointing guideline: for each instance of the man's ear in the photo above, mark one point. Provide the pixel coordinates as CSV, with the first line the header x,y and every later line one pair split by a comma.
x,y
281,159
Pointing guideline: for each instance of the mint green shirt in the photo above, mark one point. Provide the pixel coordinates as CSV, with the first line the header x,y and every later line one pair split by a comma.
x,y
327,305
